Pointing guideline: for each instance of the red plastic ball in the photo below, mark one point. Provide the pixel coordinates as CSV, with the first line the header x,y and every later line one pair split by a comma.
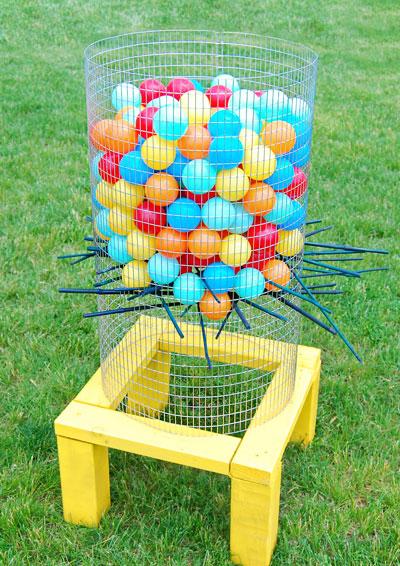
x,y
109,167
298,186
149,217
150,89
263,236
188,261
199,199
178,86
219,96
144,122
259,258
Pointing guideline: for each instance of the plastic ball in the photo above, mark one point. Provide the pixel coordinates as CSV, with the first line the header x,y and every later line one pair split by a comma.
x,y
299,184
163,270
158,153
103,194
177,166
188,261
290,242
121,220
224,123
300,156
149,217
96,204
297,217
260,199
109,167
218,213
232,184
165,100
219,277
213,309
102,224
273,105
250,120
140,245
241,221
199,176
235,250
226,153
282,176
249,138
119,136
150,89
171,243
184,215
282,211
197,107
162,189
125,94
300,109
98,134
219,96
276,270
226,80
126,195
204,243
133,169
117,249
144,122
197,85
279,136
259,258
243,98
135,275
129,114
95,166
178,86
263,236
188,288
249,283
170,123
199,199
259,162
195,143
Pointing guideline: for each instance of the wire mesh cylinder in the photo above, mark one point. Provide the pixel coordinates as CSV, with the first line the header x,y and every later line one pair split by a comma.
x,y
200,154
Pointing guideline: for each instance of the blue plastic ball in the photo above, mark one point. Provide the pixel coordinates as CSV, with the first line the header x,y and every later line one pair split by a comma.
x,y
103,224
249,283
117,250
95,202
296,219
170,123
243,98
184,214
133,169
199,176
282,176
125,94
226,80
218,213
300,156
274,105
163,270
226,153
283,209
95,166
250,120
242,219
224,123
188,288
176,168
131,114
197,85
219,277
300,109
163,100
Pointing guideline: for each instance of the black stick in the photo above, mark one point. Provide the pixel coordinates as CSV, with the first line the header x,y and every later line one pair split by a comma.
x,y
241,315
223,324
264,309
313,222
346,248
107,269
204,335
306,314
309,234
107,281
171,316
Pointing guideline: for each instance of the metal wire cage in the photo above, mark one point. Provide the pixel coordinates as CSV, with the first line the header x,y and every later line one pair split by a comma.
x,y
199,191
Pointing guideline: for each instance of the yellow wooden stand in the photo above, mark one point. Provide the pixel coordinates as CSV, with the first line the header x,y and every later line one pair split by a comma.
x,y
90,425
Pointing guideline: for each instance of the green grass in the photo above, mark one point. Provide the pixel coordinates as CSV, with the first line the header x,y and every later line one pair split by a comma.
x,y
340,504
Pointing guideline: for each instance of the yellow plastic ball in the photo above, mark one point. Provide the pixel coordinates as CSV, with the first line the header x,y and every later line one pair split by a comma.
x,y
104,194
126,195
259,162
235,250
134,274
249,138
121,220
290,243
140,245
232,184
197,107
158,153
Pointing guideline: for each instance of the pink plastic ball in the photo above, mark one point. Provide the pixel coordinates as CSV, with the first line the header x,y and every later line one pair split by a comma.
x,y
178,86
109,167
219,96
298,186
150,89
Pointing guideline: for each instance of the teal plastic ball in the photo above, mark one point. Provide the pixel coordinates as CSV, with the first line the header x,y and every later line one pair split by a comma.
x,y
226,80
199,176
125,94
218,213
184,214
176,168
282,176
103,224
170,123
220,278
188,288
164,100
282,211
250,120
274,105
249,283
163,270
243,98
117,249
95,166
242,219
226,153
224,123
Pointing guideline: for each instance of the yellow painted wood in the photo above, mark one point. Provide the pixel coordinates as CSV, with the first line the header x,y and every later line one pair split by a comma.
x,y
263,445
254,519
148,393
304,430
93,393
104,427
85,482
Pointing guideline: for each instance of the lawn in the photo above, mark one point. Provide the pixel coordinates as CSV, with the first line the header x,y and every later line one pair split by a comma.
x,y
340,503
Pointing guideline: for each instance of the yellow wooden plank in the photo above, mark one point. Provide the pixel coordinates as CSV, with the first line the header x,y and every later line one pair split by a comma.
x,y
93,393
85,485
104,427
263,445
304,430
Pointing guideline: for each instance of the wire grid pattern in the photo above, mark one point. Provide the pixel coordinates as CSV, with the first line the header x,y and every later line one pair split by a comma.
x,y
225,397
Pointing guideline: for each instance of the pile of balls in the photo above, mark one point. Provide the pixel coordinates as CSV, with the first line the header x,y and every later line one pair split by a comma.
x,y
198,188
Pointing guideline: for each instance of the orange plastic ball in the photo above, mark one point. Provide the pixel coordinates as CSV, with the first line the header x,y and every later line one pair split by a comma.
x,y
161,189
98,134
119,115
212,309
276,270
260,199
204,243
118,136
195,144
171,243
279,136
